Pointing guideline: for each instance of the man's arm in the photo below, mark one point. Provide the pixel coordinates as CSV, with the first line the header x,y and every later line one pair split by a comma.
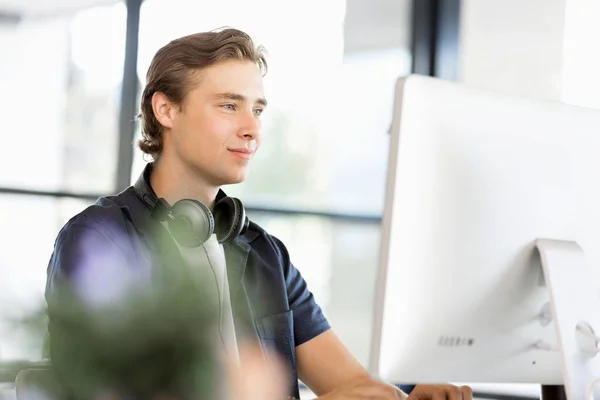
x,y
331,372
327,367
322,361
325,364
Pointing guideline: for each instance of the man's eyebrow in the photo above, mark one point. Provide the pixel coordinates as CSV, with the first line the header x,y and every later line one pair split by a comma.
x,y
238,97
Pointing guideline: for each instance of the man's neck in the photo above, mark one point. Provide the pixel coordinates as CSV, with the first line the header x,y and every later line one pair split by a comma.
x,y
173,182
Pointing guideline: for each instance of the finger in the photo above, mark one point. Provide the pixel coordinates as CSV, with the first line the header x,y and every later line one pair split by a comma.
x,y
453,392
377,391
467,392
428,392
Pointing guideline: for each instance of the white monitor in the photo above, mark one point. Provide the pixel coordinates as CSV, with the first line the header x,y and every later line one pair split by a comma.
x,y
479,185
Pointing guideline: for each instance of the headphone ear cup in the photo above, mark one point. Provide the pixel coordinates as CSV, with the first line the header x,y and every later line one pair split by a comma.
x,y
230,219
192,223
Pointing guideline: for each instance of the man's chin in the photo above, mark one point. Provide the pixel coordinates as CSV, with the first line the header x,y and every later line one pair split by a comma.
x,y
233,180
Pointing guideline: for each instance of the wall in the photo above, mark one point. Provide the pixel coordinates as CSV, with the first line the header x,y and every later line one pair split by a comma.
x,y
534,48
581,68
513,46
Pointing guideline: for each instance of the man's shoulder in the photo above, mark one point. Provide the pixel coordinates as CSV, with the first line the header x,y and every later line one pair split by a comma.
x,y
255,231
108,215
272,252
257,236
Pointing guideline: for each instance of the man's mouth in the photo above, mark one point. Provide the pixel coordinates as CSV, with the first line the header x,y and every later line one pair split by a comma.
x,y
242,152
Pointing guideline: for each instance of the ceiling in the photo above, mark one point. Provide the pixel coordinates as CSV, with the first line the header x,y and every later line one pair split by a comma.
x,y
41,8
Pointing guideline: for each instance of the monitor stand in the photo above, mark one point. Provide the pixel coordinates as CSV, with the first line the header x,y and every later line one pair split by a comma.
x,y
575,311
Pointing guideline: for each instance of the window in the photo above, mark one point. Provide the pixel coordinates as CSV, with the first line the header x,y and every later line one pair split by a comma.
x,y
30,225
62,80
358,172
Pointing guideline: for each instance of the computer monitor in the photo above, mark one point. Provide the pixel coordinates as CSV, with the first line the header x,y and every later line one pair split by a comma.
x,y
490,250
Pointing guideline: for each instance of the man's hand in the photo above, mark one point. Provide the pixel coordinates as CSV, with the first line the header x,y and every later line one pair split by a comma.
x,y
441,392
365,388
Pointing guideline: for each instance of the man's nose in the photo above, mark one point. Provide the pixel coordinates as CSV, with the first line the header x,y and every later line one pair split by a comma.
x,y
250,128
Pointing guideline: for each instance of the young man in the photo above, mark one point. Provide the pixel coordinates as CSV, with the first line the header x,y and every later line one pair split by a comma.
x,y
201,118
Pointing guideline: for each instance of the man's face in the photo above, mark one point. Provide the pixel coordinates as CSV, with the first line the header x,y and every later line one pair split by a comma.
x,y
217,131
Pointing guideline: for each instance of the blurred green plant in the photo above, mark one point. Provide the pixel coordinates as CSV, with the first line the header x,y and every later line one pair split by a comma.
x,y
156,342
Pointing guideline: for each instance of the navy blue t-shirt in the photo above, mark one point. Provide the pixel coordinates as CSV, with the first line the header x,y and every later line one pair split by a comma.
x,y
109,245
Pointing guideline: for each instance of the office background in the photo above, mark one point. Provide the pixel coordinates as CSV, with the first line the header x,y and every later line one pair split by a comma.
x,y
71,73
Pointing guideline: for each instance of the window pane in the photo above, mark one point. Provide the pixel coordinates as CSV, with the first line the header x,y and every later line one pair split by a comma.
x,y
339,261
30,224
366,85
61,83
314,147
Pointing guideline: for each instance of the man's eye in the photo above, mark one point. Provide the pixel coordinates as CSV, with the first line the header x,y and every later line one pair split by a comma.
x,y
258,111
229,106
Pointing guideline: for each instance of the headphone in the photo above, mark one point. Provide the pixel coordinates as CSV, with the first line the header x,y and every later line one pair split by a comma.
x,y
190,222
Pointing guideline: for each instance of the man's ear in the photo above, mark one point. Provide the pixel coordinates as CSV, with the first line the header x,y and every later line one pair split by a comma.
x,y
164,109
